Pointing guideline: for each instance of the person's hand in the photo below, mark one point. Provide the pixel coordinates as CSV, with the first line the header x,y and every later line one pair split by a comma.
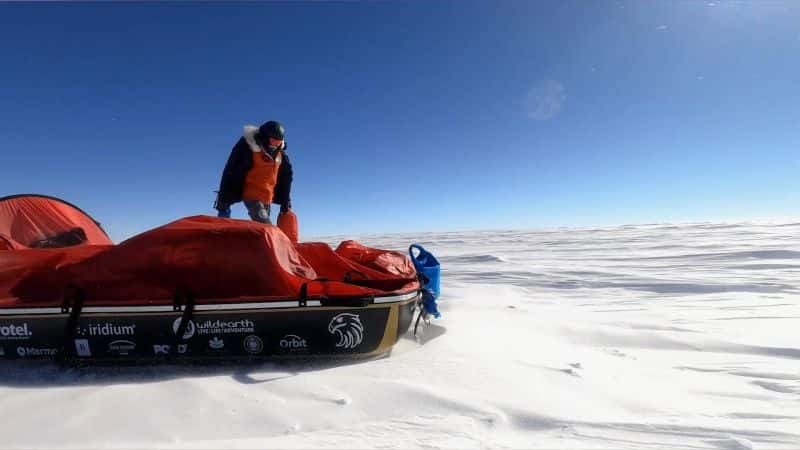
x,y
224,213
285,208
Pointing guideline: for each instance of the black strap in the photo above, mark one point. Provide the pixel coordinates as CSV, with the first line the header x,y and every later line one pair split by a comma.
x,y
304,294
186,317
304,290
357,302
72,304
421,313
416,325
348,277
423,279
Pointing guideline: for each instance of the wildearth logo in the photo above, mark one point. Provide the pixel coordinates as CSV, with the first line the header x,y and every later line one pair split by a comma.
x,y
188,331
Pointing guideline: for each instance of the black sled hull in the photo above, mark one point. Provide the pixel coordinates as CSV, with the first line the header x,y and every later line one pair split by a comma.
x,y
207,332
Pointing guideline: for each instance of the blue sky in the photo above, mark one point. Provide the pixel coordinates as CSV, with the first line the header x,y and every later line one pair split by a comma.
x,y
410,116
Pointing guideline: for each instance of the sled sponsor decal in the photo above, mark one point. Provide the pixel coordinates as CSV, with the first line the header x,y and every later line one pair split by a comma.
x,y
348,328
82,347
215,326
253,344
164,349
15,332
34,351
121,347
216,343
293,342
188,332
107,329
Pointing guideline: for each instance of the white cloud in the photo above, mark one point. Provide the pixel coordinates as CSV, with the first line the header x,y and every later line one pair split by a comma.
x,y
662,27
546,100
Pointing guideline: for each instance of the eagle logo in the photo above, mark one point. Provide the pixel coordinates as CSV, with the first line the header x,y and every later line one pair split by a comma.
x,y
348,328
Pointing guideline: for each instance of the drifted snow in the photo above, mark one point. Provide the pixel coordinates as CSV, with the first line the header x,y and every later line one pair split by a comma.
x,y
654,336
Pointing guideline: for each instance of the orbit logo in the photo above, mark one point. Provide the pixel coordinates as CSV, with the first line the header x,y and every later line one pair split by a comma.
x,y
293,342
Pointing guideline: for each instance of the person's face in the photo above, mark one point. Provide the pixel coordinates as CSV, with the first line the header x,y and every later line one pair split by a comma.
x,y
275,143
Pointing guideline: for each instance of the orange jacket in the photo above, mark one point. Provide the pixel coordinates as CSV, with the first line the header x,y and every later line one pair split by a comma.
x,y
259,184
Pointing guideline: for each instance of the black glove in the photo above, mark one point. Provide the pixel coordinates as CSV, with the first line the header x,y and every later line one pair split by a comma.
x,y
285,208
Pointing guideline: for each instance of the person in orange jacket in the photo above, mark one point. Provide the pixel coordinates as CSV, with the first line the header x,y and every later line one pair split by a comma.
x,y
258,173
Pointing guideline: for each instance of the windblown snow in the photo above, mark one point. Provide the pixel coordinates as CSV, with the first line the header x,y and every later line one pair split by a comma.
x,y
650,336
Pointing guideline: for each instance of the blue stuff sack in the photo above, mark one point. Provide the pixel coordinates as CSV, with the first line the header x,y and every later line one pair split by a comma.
x,y
428,267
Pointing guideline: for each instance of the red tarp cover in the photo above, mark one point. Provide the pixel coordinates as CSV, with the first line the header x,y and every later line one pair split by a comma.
x,y
6,243
28,219
218,260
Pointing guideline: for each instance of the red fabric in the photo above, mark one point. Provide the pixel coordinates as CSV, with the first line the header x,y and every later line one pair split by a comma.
x,y
332,266
6,243
391,262
27,219
35,277
287,222
218,260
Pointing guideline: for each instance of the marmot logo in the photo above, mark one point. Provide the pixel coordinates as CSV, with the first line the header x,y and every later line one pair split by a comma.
x,y
348,328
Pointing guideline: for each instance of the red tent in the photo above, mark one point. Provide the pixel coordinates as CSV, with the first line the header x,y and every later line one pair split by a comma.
x,y
39,221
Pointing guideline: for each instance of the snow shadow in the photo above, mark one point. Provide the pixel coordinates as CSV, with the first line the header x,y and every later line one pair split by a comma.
x,y
45,374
